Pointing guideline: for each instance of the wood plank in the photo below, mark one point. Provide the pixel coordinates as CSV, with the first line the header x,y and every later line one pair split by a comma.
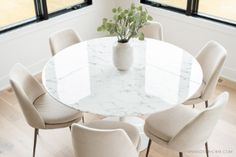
x,y
16,137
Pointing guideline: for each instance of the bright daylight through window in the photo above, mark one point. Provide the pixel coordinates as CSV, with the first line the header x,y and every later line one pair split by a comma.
x,y
54,5
220,10
16,13
173,3
13,11
225,9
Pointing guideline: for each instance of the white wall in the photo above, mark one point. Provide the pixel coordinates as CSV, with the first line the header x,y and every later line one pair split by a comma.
x,y
29,45
192,33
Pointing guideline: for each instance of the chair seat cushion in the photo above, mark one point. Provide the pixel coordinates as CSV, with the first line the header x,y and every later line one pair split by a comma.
x,y
54,112
165,125
131,130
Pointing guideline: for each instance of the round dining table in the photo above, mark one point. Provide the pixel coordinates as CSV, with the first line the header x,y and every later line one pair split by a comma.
x,y
161,77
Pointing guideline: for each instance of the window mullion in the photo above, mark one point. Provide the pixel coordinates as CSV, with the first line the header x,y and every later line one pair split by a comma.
x,y
195,6
37,8
192,7
189,7
41,9
44,9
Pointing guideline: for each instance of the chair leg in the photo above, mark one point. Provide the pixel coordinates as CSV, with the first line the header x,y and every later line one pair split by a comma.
x,y
207,152
148,147
70,128
206,103
193,105
36,131
180,154
82,118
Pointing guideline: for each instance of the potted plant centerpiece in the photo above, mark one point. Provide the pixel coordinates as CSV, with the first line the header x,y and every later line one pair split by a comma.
x,y
125,24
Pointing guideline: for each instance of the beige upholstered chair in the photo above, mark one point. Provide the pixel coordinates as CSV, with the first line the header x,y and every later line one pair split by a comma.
x,y
153,30
182,128
104,139
62,39
211,58
40,110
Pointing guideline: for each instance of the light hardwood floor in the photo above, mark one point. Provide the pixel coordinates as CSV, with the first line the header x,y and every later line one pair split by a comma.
x,y
16,136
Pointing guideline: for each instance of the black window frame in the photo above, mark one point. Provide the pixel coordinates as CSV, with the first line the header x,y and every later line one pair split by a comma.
x,y
41,14
191,10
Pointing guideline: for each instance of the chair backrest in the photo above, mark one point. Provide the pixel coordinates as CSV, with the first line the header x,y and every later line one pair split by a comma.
x,y
211,58
62,39
27,89
199,128
90,142
153,30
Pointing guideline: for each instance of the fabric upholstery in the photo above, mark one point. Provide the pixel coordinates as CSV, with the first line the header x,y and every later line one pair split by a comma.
x,y
27,89
160,123
131,131
211,58
62,39
193,101
60,125
197,96
53,112
181,128
46,110
91,142
153,30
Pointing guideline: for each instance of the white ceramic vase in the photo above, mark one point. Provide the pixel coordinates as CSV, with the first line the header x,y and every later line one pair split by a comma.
x,y
122,55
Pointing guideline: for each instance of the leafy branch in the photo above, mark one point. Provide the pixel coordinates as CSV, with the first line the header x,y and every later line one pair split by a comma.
x,y
126,23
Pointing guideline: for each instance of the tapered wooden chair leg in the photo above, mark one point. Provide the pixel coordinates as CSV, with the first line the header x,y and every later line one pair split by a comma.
x,y
180,154
35,140
206,103
207,152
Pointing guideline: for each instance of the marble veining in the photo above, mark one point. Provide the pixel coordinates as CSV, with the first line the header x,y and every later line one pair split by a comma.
x,y
83,76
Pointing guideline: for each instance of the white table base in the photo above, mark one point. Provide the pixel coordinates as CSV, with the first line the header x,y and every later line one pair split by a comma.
x,y
137,122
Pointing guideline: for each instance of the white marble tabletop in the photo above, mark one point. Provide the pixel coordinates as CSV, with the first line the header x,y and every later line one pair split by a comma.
x,y
83,77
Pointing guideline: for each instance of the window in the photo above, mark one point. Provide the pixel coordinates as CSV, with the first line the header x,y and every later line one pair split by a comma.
x,y
17,13
11,11
173,3
224,9
217,10
55,5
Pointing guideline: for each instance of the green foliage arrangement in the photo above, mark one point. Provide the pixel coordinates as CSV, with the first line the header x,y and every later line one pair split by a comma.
x,y
126,23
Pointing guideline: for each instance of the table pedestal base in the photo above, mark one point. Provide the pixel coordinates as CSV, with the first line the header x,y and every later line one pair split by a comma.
x,y
137,122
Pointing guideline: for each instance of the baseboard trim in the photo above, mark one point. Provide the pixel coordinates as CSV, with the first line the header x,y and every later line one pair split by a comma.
x,y
224,81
